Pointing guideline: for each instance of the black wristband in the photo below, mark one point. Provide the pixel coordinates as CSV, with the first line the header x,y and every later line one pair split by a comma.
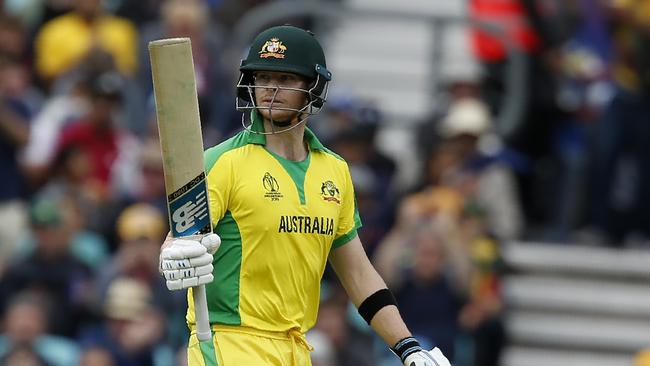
x,y
406,347
375,302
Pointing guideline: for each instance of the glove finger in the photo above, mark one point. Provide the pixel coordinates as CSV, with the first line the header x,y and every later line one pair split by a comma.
x,y
184,249
190,282
203,280
175,285
169,264
201,261
211,242
439,357
171,275
176,274
203,270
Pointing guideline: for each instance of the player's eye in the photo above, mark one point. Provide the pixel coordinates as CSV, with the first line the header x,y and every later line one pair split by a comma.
x,y
262,79
289,80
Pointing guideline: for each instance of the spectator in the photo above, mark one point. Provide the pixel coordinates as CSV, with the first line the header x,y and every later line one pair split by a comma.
x,y
111,151
140,229
132,327
479,172
57,111
152,185
65,41
13,39
22,356
347,341
26,324
428,271
468,166
96,356
14,133
620,200
372,174
69,180
191,18
480,318
51,269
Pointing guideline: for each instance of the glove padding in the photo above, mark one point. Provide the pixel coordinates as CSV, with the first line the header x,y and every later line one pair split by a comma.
x,y
427,358
187,262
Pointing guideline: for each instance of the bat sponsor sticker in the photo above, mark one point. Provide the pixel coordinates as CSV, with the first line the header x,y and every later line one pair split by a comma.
x,y
188,208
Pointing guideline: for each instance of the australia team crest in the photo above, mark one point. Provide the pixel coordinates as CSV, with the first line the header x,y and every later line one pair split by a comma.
x,y
330,192
273,48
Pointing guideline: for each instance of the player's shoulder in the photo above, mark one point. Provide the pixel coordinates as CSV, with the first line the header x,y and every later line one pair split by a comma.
x,y
216,152
332,157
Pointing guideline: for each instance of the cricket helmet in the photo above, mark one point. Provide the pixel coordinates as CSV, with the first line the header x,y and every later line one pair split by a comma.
x,y
288,49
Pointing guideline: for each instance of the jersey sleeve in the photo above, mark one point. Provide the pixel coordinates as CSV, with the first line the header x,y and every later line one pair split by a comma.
x,y
349,220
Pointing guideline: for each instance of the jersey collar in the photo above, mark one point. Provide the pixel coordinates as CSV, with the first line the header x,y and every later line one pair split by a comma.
x,y
257,125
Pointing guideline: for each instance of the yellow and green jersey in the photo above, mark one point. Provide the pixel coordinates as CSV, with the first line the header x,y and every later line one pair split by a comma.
x,y
278,221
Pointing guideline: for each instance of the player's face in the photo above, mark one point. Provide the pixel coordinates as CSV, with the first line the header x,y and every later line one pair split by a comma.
x,y
277,96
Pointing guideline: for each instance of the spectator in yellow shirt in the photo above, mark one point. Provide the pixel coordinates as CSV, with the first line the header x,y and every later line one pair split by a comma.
x,y
65,41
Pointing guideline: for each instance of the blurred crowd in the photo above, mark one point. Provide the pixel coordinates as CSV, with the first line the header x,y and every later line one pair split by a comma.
x,y
83,211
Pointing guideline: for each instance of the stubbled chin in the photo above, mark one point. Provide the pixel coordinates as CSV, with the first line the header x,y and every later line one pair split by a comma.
x,y
277,115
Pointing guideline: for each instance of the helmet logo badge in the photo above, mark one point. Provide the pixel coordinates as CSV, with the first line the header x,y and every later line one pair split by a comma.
x,y
273,48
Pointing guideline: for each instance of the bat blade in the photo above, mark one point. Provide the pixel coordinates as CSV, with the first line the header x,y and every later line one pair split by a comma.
x,y
181,142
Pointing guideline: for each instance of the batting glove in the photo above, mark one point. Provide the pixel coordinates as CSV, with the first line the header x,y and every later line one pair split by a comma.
x,y
427,358
411,354
187,262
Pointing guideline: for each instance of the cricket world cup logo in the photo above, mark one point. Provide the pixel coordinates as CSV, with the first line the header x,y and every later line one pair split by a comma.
x,y
272,187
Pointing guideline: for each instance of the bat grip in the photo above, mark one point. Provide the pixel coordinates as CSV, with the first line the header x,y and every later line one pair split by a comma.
x,y
203,331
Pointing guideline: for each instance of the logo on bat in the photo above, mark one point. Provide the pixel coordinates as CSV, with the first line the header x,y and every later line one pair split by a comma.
x,y
189,211
273,48
330,192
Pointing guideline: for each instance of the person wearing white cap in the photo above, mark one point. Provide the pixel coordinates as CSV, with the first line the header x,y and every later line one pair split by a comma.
x,y
468,126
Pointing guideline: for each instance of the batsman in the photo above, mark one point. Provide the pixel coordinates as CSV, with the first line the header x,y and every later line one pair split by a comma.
x,y
281,205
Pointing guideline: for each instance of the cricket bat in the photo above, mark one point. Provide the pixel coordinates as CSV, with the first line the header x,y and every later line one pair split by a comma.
x,y
181,142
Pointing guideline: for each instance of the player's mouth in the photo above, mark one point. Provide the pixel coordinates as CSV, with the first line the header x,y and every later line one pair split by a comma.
x,y
271,101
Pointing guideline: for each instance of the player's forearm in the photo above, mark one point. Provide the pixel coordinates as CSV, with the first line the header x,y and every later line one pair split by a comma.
x,y
388,324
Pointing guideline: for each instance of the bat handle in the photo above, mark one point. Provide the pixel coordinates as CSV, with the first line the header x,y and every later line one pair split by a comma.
x,y
203,331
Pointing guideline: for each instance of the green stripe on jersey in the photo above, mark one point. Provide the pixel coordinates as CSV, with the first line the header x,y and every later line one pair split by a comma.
x,y
223,292
296,170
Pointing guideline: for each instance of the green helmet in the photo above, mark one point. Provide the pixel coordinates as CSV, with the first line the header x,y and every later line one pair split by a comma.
x,y
289,49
